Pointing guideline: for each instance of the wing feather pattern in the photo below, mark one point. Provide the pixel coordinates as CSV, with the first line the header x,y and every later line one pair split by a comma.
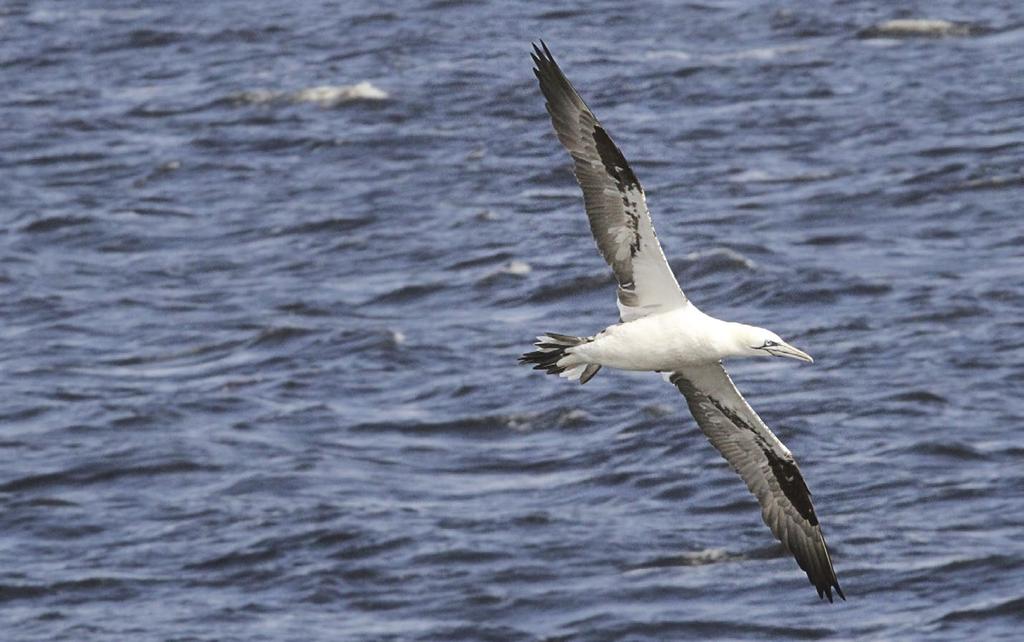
x,y
614,199
765,464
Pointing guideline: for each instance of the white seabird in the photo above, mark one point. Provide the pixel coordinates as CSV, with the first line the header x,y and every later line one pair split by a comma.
x,y
663,331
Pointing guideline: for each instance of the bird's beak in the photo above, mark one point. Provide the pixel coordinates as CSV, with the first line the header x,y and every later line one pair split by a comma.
x,y
786,350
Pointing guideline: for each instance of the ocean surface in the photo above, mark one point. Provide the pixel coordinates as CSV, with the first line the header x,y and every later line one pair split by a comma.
x,y
266,269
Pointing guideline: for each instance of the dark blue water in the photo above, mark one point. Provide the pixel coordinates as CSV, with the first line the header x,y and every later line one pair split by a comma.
x,y
266,269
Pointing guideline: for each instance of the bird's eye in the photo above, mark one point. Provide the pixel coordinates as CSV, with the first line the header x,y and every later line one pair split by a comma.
x,y
770,344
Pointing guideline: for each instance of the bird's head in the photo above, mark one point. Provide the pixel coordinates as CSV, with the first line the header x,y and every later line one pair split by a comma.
x,y
757,342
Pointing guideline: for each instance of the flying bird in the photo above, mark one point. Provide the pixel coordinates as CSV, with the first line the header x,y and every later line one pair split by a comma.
x,y
661,330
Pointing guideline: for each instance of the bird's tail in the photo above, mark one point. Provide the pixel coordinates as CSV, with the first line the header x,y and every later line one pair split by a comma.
x,y
554,356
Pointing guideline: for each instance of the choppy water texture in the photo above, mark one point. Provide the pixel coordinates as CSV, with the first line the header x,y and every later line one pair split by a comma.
x,y
267,268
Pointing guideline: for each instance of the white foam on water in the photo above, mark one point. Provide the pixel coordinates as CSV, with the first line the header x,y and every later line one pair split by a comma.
x,y
331,95
517,268
761,176
322,95
755,54
920,28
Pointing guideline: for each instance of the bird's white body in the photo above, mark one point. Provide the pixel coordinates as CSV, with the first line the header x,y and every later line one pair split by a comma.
x,y
661,342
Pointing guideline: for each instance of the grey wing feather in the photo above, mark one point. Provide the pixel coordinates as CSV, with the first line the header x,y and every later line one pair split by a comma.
x,y
765,464
614,199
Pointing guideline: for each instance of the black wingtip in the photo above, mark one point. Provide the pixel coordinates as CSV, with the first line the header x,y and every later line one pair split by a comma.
x,y
539,61
826,591
541,52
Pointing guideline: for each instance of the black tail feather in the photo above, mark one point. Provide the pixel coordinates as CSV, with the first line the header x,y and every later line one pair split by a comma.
x,y
551,348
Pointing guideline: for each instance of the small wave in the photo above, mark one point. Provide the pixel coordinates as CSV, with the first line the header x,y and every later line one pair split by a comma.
x,y
993,182
558,14
687,71
676,492
514,268
374,17
160,171
96,588
242,34
164,109
322,95
533,519
833,239
475,427
459,556
269,144
156,212
280,335
301,308
668,54
478,261
756,54
323,226
84,475
715,260
344,544
698,629
862,288
694,558
1011,608
918,396
933,174
945,315
65,159
921,28
53,223
570,288
379,339
761,176
407,293
256,96
244,559
142,38
331,95
943,567
485,426
49,502
951,449
374,546
955,147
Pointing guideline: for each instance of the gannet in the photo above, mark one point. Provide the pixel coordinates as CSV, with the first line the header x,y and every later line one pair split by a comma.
x,y
661,330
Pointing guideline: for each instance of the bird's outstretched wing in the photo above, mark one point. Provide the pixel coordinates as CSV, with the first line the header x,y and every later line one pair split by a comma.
x,y
764,463
613,197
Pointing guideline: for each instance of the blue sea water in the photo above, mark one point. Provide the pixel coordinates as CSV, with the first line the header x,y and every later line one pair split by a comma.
x,y
267,267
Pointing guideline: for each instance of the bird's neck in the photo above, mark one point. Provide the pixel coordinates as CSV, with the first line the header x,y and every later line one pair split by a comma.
x,y
727,338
